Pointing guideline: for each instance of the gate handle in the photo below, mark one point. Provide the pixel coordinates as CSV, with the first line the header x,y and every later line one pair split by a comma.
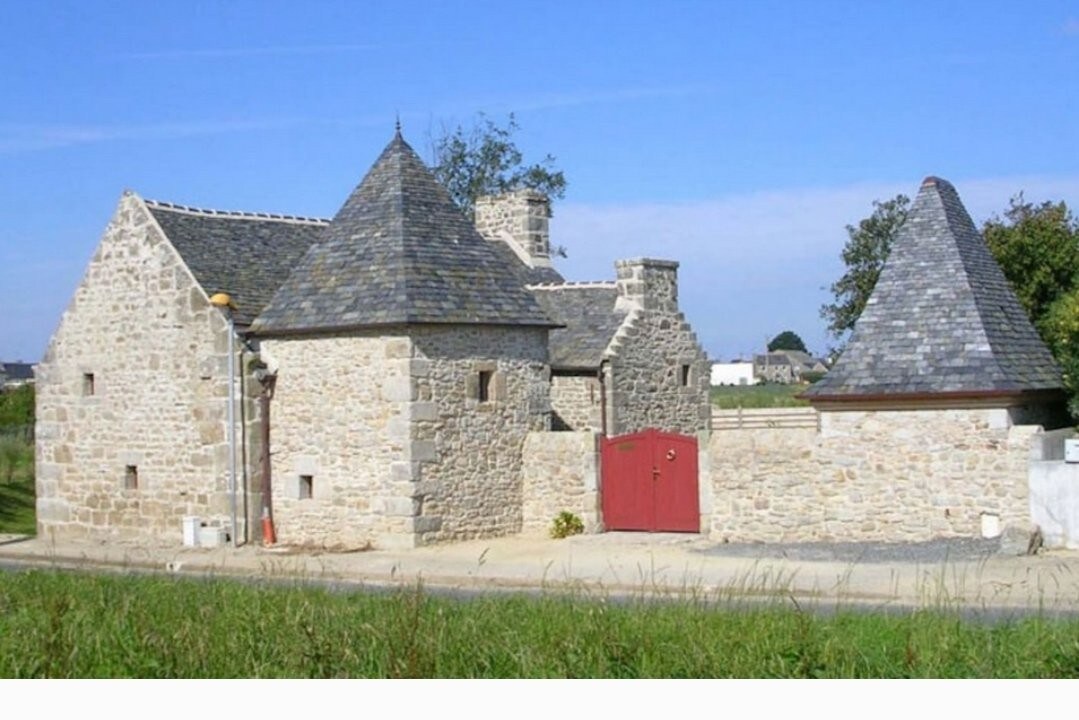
x,y
655,474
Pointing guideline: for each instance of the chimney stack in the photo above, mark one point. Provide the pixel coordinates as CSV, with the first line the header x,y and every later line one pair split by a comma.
x,y
647,284
521,219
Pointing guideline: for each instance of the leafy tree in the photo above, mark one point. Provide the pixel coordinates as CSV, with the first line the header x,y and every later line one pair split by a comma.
x,y
484,160
17,408
1037,247
1060,326
864,254
787,340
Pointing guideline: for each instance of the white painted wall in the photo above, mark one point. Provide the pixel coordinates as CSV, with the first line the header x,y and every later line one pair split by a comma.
x,y
733,373
1054,502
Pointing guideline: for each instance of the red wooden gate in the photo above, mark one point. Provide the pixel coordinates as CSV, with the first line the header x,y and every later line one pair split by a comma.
x,y
649,482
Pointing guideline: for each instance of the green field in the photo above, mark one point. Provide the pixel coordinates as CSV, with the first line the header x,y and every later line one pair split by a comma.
x,y
17,461
54,624
728,397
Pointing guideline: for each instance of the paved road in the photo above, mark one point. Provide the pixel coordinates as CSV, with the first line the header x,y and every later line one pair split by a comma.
x,y
951,574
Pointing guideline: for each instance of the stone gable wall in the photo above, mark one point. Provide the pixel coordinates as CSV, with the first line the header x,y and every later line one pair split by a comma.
x,y
468,453
157,352
645,382
561,473
872,475
340,414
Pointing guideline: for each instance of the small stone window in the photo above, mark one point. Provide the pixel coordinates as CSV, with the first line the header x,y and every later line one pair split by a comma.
x,y
87,384
307,487
131,477
683,375
484,385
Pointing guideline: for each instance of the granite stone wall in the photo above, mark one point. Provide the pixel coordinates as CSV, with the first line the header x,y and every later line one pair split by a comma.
x,y
341,424
131,396
561,473
575,400
658,373
467,441
871,475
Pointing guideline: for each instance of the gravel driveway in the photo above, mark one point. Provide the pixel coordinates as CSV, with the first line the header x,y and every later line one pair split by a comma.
x,y
931,551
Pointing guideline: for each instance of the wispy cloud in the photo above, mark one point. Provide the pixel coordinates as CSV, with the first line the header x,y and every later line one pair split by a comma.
x,y
756,264
21,138
241,52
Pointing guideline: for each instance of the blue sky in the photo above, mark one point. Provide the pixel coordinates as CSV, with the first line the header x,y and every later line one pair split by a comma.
x,y
738,138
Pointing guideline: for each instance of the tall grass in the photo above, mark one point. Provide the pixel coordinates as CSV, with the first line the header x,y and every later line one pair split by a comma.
x,y
79,626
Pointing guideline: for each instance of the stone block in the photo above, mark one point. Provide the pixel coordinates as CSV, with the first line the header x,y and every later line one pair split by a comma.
x,y
423,451
1020,539
404,471
51,510
423,411
396,389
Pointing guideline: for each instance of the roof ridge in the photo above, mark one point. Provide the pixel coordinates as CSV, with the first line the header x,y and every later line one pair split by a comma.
x,y
238,214
579,285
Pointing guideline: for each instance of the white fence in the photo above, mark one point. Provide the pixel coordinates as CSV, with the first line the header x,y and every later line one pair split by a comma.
x,y
764,418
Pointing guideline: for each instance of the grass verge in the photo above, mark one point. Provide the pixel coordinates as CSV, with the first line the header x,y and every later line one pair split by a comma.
x,y
84,626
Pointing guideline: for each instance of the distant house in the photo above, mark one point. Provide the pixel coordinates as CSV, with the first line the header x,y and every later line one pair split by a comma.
x,y
736,372
16,374
786,366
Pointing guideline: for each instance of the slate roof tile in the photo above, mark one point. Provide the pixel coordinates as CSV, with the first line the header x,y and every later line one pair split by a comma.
x,y
244,254
942,317
399,251
588,313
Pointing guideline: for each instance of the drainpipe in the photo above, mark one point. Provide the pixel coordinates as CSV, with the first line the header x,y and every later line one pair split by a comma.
x,y
602,400
223,301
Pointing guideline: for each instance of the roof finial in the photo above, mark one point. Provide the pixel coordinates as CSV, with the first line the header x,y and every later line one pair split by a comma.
x,y
397,126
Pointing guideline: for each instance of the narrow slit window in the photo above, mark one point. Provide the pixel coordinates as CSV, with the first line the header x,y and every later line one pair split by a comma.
x,y
483,389
307,487
131,477
684,375
87,384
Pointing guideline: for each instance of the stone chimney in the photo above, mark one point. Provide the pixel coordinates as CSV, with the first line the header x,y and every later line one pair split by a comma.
x,y
521,219
647,284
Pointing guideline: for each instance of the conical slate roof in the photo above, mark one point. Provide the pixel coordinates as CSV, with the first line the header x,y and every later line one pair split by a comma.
x,y
942,319
399,251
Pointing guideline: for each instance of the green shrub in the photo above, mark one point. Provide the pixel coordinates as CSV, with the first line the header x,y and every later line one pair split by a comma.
x,y
566,524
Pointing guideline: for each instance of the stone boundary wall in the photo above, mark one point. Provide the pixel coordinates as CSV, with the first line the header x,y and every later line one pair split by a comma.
x,y
561,472
882,475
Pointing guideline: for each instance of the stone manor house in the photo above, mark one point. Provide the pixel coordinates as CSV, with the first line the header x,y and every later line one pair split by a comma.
x,y
408,376
390,364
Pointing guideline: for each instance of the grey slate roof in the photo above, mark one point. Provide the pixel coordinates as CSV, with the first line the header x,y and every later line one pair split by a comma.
x,y
245,255
774,358
942,318
399,251
525,274
16,372
590,320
